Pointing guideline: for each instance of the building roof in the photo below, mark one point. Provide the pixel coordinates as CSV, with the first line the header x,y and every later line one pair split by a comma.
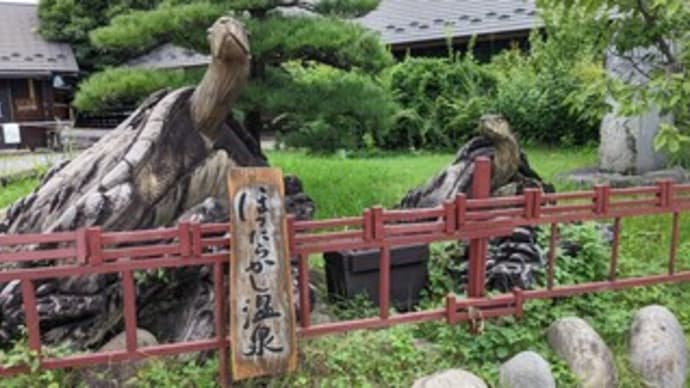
x,y
23,51
414,21
169,56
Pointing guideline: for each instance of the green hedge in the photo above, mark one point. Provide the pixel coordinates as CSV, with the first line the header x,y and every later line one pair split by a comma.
x,y
441,99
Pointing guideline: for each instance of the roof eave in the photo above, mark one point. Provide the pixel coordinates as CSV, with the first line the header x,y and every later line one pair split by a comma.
x,y
461,39
35,73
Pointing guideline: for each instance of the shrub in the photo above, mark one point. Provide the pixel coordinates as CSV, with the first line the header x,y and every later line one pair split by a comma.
x,y
442,98
534,102
554,94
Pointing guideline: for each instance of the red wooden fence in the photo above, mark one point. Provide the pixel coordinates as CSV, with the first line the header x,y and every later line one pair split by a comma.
x,y
476,219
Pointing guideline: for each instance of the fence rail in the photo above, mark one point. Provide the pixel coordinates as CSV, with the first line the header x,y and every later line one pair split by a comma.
x,y
474,218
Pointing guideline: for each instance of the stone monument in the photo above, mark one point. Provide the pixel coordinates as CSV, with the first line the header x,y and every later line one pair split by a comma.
x,y
626,149
627,143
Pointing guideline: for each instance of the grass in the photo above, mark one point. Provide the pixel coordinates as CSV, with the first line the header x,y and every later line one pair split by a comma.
x,y
343,187
16,190
392,357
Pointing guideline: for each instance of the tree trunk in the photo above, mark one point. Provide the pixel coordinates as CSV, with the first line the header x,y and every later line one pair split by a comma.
x,y
254,125
168,161
253,120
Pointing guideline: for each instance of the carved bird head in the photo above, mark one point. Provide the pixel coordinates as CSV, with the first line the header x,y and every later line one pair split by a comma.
x,y
495,127
228,40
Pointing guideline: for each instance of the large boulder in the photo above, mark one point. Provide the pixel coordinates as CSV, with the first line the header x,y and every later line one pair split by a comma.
x,y
451,378
526,370
658,350
584,351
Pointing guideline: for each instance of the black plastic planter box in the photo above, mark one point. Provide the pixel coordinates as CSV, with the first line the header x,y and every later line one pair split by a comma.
x,y
349,273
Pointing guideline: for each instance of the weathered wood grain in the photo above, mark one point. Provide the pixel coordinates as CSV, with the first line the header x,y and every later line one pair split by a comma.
x,y
172,154
262,319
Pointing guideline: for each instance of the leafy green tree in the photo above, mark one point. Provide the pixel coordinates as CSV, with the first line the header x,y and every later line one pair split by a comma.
x,y
284,35
662,27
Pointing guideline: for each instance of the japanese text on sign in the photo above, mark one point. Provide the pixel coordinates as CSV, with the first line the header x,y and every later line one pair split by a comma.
x,y
262,316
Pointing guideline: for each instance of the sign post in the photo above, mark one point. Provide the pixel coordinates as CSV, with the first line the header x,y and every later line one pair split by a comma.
x,y
262,317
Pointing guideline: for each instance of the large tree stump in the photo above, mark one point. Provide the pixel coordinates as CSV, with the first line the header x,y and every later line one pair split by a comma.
x,y
168,156
512,259
511,172
168,161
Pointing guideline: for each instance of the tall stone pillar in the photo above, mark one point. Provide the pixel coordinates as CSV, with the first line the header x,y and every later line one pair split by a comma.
x,y
627,143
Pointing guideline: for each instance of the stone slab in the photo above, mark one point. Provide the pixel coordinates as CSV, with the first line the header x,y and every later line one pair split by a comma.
x,y
591,176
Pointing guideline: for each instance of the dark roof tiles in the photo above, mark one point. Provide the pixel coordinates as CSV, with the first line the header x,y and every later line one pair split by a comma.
x,y
434,19
23,50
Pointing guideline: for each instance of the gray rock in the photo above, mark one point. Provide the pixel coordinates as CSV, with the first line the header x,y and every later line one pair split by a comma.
x,y
321,314
584,351
119,374
658,350
451,378
591,175
626,143
526,370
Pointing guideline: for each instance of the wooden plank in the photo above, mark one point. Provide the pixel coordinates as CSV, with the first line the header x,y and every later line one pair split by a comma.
x,y
262,317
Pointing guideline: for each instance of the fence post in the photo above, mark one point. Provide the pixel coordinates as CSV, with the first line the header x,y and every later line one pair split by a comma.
x,y
674,244
221,323
95,245
532,203
664,195
449,217
302,273
82,246
31,315
384,262
461,210
481,188
602,199
129,297
184,237
196,239
552,256
368,225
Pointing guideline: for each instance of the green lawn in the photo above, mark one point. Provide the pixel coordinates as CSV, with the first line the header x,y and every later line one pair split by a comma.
x,y
16,190
343,187
382,358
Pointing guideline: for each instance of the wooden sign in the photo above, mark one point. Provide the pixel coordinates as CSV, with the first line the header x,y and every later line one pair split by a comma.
x,y
262,317
24,105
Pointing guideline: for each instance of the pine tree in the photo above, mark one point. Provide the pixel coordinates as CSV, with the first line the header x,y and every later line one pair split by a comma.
x,y
70,21
311,66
